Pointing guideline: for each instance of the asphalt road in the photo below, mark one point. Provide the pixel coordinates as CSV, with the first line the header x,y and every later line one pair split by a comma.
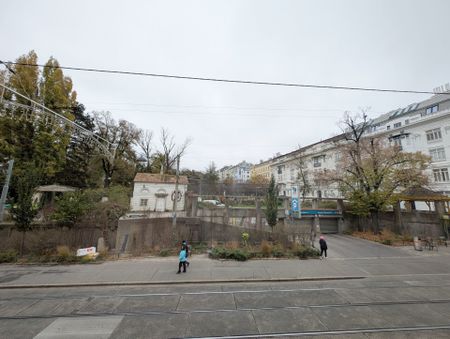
x,y
395,293
392,307
340,246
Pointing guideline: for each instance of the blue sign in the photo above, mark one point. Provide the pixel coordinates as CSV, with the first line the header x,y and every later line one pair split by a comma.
x,y
320,212
294,204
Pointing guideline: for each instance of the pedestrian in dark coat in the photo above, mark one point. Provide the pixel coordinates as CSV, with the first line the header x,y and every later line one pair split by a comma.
x,y
185,245
182,260
323,247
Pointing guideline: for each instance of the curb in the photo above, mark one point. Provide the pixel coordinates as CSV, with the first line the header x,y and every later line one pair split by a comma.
x,y
171,282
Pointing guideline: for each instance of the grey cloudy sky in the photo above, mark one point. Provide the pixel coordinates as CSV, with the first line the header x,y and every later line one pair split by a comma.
x,y
402,44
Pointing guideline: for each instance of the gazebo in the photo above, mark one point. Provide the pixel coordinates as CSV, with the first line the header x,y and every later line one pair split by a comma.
x,y
413,194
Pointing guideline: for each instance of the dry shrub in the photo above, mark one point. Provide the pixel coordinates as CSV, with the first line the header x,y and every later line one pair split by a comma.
x,y
63,251
386,237
232,245
156,249
266,248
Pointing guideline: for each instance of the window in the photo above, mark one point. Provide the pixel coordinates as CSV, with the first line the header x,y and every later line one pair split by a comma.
x,y
432,109
397,125
144,202
407,122
292,174
280,169
441,175
388,127
437,154
317,161
397,141
434,134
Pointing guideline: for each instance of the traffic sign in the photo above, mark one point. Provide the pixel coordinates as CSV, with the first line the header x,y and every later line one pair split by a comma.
x,y
294,204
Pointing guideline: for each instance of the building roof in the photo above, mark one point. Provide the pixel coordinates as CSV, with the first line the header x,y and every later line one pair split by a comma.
x,y
160,179
55,188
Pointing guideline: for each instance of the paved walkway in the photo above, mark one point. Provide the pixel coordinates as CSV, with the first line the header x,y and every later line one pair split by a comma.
x,y
368,260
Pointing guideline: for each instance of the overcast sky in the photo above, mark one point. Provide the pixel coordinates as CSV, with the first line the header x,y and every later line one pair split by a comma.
x,y
401,44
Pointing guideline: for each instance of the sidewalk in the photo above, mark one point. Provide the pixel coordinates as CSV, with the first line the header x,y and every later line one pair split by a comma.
x,y
205,270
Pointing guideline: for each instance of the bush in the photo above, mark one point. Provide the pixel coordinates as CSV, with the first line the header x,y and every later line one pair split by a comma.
x,y
278,251
7,257
71,207
266,248
234,254
165,252
63,251
387,242
304,252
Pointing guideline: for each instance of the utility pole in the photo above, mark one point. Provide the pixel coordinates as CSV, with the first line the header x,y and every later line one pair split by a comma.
x,y
175,196
5,189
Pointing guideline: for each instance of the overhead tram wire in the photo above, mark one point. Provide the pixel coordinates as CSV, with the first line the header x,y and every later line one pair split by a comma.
x,y
235,81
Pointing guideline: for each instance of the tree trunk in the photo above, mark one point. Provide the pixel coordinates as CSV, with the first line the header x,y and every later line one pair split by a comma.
x,y
375,222
22,244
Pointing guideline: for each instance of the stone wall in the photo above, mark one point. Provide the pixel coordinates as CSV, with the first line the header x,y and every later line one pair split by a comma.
x,y
140,235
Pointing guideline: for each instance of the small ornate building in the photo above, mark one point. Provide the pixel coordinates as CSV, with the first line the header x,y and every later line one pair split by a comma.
x,y
156,192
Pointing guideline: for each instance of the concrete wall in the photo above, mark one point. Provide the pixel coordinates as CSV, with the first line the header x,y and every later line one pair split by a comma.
x,y
415,223
140,235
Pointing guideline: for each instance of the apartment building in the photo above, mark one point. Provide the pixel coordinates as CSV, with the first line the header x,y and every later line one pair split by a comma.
x,y
419,127
262,169
238,173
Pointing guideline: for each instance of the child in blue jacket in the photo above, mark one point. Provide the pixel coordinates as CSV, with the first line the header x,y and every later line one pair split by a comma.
x,y
183,259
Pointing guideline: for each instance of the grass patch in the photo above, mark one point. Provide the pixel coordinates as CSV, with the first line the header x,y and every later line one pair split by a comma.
x,y
8,257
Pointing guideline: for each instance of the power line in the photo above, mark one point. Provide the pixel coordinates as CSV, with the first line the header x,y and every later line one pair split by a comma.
x,y
235,81
218,107
223,114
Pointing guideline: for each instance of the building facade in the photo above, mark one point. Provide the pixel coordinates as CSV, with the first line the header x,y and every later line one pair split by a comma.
x,y
156,193
419,127
239,173
263,169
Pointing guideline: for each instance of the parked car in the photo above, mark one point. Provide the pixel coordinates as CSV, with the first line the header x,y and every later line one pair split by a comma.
x,y
215,203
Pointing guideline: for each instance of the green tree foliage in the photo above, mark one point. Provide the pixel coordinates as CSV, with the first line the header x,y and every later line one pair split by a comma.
x,y
72,206
271,203
80,153
32,138
24,211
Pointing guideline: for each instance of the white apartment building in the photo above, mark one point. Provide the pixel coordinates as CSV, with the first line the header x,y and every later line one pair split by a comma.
x,y
239,173
423,127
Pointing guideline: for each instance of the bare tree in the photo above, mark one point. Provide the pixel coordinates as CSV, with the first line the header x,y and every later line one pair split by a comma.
x,y
170,150
122,137
303,173
371,171
145,145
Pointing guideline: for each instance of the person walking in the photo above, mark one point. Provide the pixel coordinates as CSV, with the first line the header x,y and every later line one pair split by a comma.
x,y
182,260
323,247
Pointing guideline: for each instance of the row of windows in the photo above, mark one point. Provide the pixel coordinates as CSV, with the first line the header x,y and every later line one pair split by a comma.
x,y
428,111
441,175
431,110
